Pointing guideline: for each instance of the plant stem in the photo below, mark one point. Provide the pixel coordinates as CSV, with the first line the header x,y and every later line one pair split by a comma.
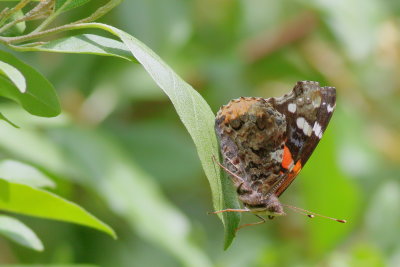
x,y
7,13
72,26
9,40
52,17
101,11
3,13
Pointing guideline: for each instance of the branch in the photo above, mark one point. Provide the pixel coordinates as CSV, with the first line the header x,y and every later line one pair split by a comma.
x,y
71,26
101,11
6,13
39,10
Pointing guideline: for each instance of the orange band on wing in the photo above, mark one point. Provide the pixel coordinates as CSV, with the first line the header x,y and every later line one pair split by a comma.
x,y
291,176
297,168
287,159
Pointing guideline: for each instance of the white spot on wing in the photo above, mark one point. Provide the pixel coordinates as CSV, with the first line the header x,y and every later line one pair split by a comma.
x,y
300,122
329,108
317,130
277,155
307,128
303,124
292,107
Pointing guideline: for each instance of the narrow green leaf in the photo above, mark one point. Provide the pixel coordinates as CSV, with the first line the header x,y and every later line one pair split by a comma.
x,y
14,75
17,29
18,232
27,200
198,119
40,98
73,4
18,172
4,118
84,44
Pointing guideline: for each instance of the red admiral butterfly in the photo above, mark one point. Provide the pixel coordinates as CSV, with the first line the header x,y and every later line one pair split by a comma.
x,y
266,142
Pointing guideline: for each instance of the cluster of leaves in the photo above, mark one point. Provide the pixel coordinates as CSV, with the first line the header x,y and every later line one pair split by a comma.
x,y
21,184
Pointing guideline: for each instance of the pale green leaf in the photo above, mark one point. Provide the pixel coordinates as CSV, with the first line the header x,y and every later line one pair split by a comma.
x,y
18,28
14,75
40,97
198,119
23,199
73,4
83,44
4,118
18,172
18,232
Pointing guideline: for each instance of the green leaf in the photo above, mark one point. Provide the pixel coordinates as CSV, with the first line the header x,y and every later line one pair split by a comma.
x,y
73,4
84,44
18,172
18,28
2,117
27,200
198,119
40,98
14,75
18,232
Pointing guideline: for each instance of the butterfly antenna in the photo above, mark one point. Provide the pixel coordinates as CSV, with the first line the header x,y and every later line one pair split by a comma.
x,y
311,214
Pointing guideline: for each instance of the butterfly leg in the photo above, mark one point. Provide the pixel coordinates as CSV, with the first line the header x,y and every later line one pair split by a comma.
x,y
250,224
230,210
227,170
237,180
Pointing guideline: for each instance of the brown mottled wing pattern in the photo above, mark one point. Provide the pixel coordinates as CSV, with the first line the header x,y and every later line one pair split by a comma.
x,y
252,135
308,109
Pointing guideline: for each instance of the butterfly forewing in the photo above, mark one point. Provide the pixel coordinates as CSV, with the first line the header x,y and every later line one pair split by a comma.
x,y
308,109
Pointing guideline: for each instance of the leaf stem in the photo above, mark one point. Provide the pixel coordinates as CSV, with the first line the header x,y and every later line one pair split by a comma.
x,y
36,12
52,17
8,12
3,13
101,11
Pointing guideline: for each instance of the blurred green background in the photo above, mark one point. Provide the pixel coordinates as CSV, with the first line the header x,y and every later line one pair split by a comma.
x,y
120,150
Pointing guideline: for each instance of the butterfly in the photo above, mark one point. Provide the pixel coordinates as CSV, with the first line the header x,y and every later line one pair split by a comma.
x,y
265,142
